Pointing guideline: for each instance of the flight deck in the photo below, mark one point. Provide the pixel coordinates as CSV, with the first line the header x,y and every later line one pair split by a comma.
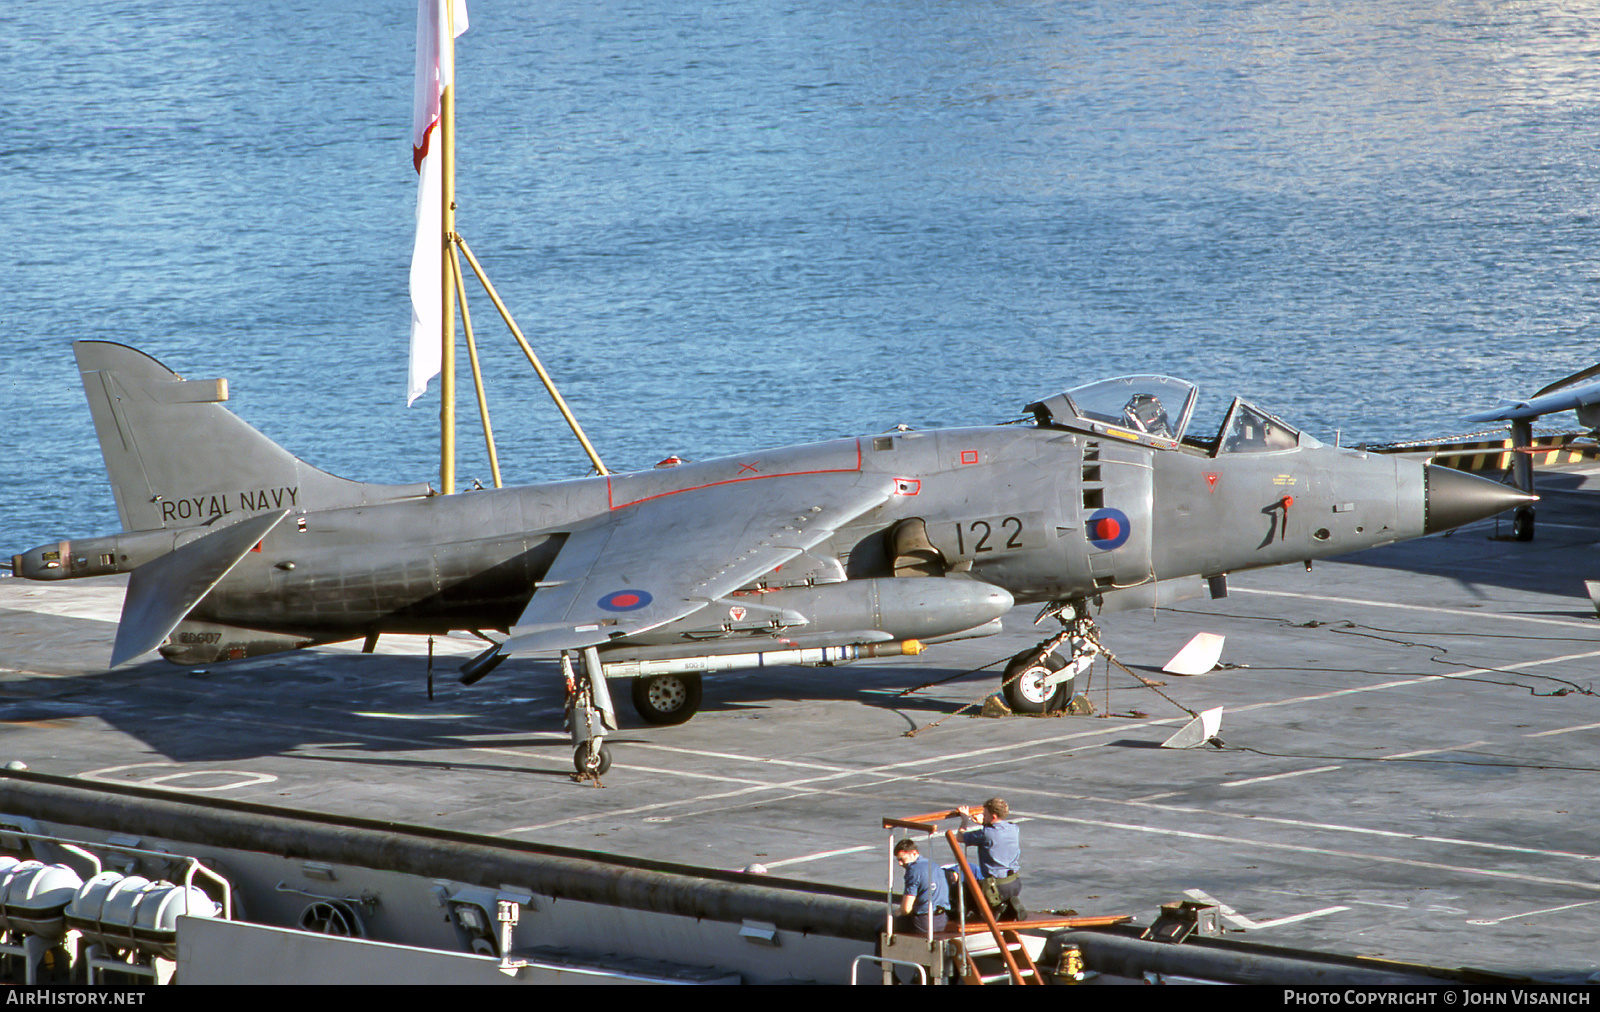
x,y
1407,765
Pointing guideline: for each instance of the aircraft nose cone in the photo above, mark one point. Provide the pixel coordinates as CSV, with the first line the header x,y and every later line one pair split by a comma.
x,y
1454,498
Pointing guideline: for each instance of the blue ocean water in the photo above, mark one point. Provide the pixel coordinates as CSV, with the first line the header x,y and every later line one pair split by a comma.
x,y
732,225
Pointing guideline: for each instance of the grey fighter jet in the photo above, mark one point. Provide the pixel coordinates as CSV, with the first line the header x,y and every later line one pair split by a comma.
x,y
813,554
1578,393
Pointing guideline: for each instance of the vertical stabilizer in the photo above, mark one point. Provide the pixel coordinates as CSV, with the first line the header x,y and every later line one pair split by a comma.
x,y
177,458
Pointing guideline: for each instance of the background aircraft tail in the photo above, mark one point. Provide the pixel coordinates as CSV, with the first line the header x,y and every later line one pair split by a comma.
x,y
178,458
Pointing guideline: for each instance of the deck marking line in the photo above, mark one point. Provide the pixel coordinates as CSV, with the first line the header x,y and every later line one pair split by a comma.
x,y
1350,855
758,784
803,784
1406,682
241,778
890,772
1533,913
427,743
802,787
1363,831
1272,820
832,773
946,761
414,716
738,758
1463,612
1562,730
1432,751
817,857
1277,776
1249,924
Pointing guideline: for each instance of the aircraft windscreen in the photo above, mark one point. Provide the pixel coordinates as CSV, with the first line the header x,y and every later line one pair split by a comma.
x,y
1154,405
1248,429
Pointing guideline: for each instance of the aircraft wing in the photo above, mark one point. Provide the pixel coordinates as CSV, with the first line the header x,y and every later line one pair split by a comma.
x,y
659,560
1567,394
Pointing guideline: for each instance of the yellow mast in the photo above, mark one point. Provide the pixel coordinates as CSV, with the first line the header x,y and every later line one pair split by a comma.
x,y
451,289
472,356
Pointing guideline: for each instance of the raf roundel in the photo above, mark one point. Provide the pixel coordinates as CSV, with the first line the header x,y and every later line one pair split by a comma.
x,y
1108,529
625,600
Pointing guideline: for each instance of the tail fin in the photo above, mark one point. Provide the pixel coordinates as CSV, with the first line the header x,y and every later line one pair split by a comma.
x,y
178,458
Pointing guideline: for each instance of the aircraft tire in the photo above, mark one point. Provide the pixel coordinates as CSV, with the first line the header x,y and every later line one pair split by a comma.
x,y
592,758
1522,524
666,699
1023,688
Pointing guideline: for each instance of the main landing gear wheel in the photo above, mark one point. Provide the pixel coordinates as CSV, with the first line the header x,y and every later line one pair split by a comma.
x,y
1025,676
666,699
1522,524
592,759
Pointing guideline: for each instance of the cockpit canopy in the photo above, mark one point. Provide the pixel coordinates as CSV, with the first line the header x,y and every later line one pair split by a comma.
x,y
1248,429
1155,410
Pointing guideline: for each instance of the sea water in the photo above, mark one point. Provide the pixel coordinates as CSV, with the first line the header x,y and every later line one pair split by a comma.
x,y
727,226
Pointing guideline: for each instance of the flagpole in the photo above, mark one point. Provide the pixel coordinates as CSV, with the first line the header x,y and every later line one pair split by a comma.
x,y
447,221
434,150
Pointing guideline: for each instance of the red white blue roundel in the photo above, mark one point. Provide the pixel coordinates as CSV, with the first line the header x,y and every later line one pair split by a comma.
x,y
1108,529
625,600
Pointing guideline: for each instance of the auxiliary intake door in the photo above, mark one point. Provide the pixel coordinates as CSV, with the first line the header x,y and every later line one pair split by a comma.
x,y
1116,501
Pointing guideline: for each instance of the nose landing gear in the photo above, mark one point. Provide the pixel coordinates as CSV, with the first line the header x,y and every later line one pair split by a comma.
x,y
1042,678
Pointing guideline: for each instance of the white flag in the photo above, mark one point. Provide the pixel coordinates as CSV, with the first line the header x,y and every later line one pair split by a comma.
x,y
435,72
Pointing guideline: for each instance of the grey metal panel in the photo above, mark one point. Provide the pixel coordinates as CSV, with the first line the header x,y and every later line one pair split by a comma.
x,y
1127,478
233,952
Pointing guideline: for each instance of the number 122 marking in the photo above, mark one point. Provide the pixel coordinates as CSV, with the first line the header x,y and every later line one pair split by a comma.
x,y
984,532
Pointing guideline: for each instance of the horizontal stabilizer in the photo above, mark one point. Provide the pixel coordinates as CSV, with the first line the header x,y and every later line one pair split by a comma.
x,y
161,592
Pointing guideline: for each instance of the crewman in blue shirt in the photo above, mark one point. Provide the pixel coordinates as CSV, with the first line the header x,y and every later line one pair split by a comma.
x,y
926,901
999,844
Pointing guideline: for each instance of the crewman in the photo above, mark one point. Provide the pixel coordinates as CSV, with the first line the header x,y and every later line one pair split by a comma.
x,y
999,844
926,900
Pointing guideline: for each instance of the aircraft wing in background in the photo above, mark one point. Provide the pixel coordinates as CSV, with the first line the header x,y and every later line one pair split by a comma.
x,y
1579,392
